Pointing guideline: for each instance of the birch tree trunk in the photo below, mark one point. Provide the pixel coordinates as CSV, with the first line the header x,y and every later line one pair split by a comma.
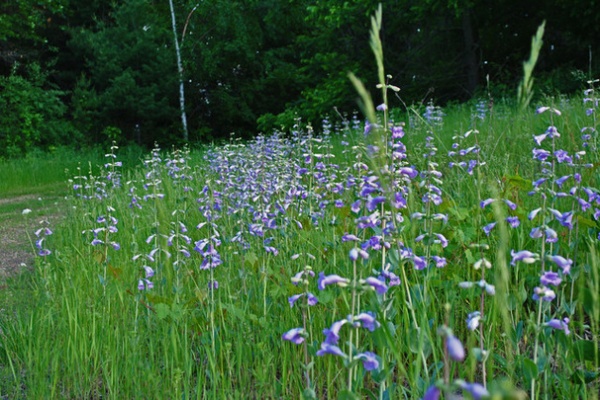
x,y
180,71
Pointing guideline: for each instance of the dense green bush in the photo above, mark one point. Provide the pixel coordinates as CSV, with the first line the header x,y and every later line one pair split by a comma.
x,y
33,114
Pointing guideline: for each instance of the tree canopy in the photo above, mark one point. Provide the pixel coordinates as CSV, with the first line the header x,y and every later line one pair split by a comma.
x,y
97,71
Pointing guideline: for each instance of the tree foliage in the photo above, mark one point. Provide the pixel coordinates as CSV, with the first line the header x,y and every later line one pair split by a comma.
x,y
109,68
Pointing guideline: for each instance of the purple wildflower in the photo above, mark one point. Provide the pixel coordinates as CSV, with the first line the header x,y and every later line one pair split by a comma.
x,y
440,262
331,280
550,278
543,293
560,325
456,350
295,335
149,271
419,262
513,222
366,320
432,393
486,202
369,360
473,320
376,284
563,263
145,284
477,390
488,228
524,256
441,239
372,203
294,298
332,335
510,204
327,348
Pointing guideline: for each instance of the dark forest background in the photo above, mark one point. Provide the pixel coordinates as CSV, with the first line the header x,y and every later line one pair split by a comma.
x,y
80,73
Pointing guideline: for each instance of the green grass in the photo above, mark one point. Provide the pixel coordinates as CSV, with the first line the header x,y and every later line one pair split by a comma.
x,y
78,327
47,173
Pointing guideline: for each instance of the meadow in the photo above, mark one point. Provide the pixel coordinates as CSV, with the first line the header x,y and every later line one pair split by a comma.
x,y
420,253
458,254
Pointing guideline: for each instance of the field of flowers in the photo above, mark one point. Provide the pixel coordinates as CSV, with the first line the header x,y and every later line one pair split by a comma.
x,y
411,255
362,262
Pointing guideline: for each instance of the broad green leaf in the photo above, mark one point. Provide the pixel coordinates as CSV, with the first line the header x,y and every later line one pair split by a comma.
x,y
587,350
530,370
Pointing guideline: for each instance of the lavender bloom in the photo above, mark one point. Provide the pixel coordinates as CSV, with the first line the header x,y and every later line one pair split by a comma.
x,y
432,393
541,155
149,271
440,262
419,262
566,220
349,237
409,171
376,284
560,325
540,138
441,239
332,334
331,280
372,203
560,181
399,201
455,349
562,156
541,110
393,279
473,320
513,222
353,254
363,254
543,293
510,204
536,233
145,284
327,348
366,320
486,202
294,298
477,390
524,256
295,335
550,278
551,235
533,213
563,263
369,360
488,228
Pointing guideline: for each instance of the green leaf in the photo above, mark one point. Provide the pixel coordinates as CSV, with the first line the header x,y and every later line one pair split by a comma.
x,y
584,377
251,259
530,370
518,182
347,395
162,310
587,350
309,394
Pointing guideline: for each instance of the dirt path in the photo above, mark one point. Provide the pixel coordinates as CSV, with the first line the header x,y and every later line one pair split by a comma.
x,y
16,250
